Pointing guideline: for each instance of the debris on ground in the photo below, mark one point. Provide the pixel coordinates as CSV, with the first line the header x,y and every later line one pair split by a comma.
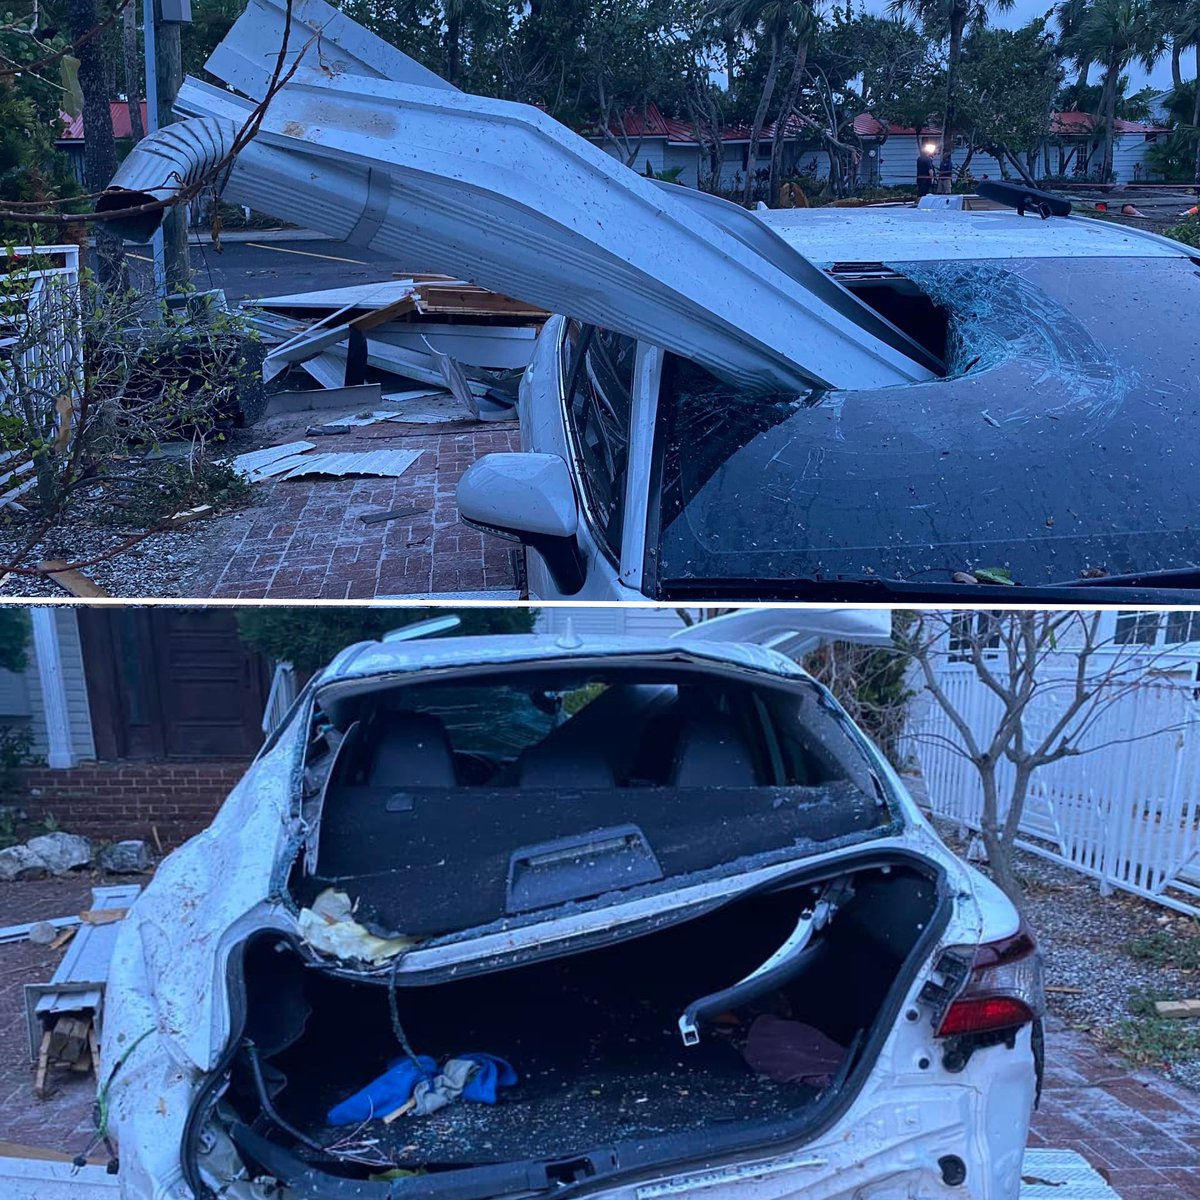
x,y
70,579
292,461
50,854
64,1014
470,345
1177,1009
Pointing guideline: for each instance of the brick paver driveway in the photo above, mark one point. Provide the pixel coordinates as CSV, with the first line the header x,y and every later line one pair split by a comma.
x,y
304,538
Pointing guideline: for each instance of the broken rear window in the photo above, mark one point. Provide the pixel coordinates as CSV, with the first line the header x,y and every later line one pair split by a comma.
x,y
454,805
1057,446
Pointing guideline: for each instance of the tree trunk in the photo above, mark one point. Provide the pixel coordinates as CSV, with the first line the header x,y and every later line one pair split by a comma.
x,y
991,828
99,148
760,119
1025,175
1196,112
133,70
1176,71
958,21
730,56
1108,113
168,73
790,95
453,47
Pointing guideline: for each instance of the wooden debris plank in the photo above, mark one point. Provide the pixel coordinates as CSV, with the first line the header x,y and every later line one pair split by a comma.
x,y
71,580
388,313
1177,1009
103,916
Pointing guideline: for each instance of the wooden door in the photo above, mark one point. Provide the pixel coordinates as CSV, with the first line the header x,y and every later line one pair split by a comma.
x,y
172,683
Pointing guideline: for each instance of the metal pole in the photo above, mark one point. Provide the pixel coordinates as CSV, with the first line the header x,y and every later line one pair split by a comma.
x,y
156,242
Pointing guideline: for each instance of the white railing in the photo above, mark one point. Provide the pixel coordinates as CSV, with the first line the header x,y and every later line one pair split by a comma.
x,y
1126,812
40,336
281,697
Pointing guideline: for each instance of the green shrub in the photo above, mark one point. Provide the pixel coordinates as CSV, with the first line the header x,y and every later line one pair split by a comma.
x,y
1187,231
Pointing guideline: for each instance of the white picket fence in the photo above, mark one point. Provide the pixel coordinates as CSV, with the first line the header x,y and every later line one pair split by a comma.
x,y
40,334
284,689
1126,813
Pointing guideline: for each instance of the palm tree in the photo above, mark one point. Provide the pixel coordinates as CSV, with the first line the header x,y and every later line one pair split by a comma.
x,y
1183,26
774,22
1068,16
950,17
1114,33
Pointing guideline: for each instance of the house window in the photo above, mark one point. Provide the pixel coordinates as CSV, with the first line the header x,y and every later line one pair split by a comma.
x,y
1137,629
1182,627
971,629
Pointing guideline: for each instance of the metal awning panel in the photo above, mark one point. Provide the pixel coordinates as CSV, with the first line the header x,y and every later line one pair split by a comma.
x,y
504,196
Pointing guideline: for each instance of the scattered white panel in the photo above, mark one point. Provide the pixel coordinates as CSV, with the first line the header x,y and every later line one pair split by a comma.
x,y
429,408
360,295
373,462
437,597
1062,1175
262,464
39,1179
354,420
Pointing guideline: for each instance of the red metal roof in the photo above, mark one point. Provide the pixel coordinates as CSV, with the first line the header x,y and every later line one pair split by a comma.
x,y
73,126
652,124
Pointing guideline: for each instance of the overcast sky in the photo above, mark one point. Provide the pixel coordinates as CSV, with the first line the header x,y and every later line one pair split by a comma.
x,y
1023,11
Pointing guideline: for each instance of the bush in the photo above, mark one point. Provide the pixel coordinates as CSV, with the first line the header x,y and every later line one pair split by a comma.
x,y
1166,949
1151,1040
1187,232
90,378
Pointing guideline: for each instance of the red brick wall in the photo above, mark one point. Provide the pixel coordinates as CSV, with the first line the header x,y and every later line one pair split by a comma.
x,y
111,801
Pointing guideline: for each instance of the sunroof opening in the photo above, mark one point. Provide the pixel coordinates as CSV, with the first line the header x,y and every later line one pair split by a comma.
x,y
899,300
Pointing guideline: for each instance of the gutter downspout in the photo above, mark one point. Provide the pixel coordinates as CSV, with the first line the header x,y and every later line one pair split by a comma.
x,y
160,166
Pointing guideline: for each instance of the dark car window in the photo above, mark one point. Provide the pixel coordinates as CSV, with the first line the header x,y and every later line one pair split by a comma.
x,y
1061,444
598,406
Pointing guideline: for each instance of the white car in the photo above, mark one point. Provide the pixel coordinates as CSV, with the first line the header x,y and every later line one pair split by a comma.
x,y
666,880
1056,451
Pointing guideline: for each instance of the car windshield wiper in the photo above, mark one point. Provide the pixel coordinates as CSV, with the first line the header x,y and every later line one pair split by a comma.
x,y
1173,577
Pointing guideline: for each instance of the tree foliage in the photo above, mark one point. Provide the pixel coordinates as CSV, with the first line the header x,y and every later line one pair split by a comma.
x,y
309,638
14,638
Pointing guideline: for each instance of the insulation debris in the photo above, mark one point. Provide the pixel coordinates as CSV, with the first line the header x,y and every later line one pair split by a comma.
x,y
329,926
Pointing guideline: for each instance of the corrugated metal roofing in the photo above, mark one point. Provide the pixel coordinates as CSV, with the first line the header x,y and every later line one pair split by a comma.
x,y
372,462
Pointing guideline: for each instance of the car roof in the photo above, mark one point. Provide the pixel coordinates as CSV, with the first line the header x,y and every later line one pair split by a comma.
x,y
901,233
385,658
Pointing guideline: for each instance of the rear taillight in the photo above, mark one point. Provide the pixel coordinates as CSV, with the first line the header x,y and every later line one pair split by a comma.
x,y
1003,989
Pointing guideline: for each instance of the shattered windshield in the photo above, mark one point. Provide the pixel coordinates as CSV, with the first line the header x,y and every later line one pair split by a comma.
x,y
1059,446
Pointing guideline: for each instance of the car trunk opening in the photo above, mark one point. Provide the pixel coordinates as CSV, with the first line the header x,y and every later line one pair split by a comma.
x,y
485,800
595,1037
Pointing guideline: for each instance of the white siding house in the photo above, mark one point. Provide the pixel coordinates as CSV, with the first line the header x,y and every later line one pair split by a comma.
x,y
1070,148
50,696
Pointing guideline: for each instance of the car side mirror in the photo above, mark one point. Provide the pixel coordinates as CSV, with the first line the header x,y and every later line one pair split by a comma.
x,y
529,498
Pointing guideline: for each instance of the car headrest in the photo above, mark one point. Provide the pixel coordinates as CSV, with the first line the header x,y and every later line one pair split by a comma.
x,y
565,764
412,750
711,752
